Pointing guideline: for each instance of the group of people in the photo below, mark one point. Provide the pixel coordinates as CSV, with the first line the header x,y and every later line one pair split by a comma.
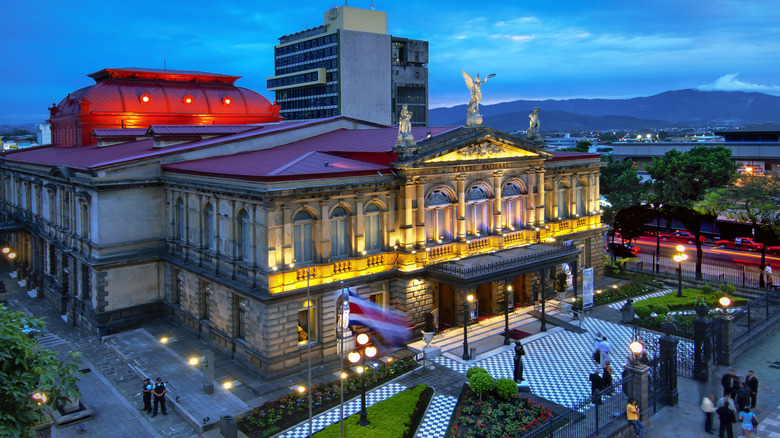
x,y
157,390
739,398
601,355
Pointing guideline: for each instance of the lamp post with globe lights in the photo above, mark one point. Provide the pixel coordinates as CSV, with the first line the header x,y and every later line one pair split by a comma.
x,y
679,258
466,305
506,315
636,351
359,355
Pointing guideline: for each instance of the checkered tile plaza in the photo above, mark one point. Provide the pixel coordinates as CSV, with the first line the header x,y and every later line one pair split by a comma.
x,y
557,367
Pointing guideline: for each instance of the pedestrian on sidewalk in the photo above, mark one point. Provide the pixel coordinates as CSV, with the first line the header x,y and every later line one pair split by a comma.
x,y
727,402
606,377
752,382
743,396
632,413
596,354
768,281
730,383
159,396
747,422
147,396
708,407
727,420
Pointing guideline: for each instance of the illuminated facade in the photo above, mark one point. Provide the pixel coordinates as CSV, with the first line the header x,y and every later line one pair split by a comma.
x,y
226,229
351,66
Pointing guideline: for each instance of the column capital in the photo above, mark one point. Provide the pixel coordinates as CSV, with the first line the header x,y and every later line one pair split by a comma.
x,y
461,177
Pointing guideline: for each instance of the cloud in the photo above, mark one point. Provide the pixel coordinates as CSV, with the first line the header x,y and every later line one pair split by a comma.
x,y
730,82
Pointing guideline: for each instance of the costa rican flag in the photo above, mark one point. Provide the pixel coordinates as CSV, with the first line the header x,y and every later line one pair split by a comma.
x,y
390,326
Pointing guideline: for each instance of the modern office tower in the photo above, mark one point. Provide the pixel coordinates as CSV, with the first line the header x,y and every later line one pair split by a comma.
x,y
350,66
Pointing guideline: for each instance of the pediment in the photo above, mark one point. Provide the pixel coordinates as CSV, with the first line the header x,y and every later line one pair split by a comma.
x,y
485,150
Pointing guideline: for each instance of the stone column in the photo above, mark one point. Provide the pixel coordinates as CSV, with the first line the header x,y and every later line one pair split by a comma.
x,y
498,223
420,217
360,227
407,215
726,339
639,389
540,197
461,211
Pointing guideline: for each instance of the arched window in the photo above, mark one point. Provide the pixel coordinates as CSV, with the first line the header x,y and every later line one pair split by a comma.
x,y
339,235
207,227
513,207
178,219
477,211
438,217
580,195
303,242
563,206
373,231
242,235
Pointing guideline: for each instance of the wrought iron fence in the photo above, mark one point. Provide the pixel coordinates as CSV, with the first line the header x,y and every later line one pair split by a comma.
x,y
591,414
756,313
712,272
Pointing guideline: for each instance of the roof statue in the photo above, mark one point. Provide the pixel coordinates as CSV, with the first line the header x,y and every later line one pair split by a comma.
x,y
533,125
405,137
473,117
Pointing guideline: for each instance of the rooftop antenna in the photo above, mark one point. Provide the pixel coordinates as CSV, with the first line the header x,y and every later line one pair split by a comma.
x,y
165,65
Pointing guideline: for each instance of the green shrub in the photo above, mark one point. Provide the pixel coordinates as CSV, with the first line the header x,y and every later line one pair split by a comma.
x,y
660,318
481,383
707,289
727,289
506,388
661,309
474,370
642,311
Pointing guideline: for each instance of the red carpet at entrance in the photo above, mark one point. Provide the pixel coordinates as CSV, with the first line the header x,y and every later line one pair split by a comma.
x,y
517,334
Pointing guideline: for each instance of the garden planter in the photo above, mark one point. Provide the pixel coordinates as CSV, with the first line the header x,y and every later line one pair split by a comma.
x,y
701,311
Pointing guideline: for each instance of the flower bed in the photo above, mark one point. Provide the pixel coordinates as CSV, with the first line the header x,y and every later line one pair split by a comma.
x,y
275,416
494,417
611,295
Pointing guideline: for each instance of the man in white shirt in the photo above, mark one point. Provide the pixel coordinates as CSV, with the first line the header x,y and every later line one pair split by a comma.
x,y
604,350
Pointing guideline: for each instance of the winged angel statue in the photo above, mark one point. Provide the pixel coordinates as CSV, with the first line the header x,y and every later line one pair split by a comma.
x,y
473,117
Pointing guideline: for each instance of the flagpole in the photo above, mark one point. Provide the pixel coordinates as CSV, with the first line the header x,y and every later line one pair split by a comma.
x,y
308,344
341,356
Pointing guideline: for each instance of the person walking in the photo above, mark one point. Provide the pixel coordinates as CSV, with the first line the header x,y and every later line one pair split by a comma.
x,y
632,413
746,417
708,407
727,420
604,351
147,396
159,396
752,383
606,377
727,402
768,276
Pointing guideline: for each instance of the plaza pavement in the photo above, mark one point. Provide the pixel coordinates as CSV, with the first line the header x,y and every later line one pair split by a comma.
x,y
557,365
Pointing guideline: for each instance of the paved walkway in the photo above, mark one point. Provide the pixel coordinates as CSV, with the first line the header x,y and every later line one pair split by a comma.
x,y
557,365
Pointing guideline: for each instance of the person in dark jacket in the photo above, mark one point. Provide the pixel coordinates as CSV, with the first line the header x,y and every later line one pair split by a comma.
x,y
159,396
743,397
730,383
147,396
752,382
727,420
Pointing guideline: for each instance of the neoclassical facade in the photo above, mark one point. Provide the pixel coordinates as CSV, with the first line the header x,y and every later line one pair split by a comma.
x,y
247,236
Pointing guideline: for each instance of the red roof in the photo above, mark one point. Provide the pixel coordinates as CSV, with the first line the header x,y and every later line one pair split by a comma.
x,y
127,132
199,129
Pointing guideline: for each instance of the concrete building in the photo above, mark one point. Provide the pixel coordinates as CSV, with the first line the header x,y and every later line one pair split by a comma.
x,y
350,66
247,233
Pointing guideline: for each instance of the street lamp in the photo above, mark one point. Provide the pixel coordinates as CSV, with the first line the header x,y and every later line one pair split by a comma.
x,y
725,302
359,355
636,350
466,304
679,258
506,315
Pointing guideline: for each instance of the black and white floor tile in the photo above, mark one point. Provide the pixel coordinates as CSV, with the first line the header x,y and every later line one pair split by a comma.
x,y
659,293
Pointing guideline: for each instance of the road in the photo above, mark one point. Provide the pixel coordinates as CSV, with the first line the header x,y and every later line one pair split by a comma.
x,y
711,253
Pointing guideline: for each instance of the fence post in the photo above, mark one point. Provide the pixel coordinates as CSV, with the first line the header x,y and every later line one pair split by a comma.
x,y
639,389
726,338
669,364
744,279
702,335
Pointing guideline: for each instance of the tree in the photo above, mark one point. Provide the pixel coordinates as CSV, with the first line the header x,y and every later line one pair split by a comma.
x,y
752,198
681,180
26,369
632,221
620,185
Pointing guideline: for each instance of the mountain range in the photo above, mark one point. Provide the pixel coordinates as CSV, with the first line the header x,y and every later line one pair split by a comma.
x,y
671,109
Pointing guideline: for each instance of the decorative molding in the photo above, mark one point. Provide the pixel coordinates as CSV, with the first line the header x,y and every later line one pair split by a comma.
x,y
483,150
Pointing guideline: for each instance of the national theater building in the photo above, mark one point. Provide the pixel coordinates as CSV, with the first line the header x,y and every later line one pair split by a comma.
x,y
177,194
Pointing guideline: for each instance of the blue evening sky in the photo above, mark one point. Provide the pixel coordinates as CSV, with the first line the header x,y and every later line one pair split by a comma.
x,y
538,49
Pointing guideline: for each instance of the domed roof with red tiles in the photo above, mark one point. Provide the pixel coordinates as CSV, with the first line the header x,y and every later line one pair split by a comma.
x,y
136,90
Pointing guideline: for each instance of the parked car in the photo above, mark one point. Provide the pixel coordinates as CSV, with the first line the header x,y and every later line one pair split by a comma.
x,y
623,249
774,250
681,236
741,243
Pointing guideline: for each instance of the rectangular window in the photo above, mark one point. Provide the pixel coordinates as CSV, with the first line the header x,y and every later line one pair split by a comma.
x,y
307,322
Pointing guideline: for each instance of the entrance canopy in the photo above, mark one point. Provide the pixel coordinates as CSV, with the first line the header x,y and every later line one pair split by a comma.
x,y
499,265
